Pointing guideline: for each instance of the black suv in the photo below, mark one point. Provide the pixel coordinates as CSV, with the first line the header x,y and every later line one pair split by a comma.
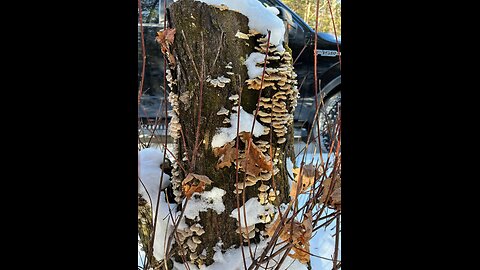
x,y
301,41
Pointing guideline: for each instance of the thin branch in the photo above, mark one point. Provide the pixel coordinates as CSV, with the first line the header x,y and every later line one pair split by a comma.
x,y
236,174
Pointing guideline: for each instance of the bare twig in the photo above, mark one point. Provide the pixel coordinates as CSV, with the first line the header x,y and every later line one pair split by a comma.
x,y
236,174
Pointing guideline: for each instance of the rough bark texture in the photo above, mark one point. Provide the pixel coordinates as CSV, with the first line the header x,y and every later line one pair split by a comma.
x,y
205,42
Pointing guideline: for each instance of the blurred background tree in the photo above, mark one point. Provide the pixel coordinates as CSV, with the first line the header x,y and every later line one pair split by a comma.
x,y
306,10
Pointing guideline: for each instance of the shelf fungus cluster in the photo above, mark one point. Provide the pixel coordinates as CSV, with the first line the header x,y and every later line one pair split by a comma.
x,y
188,239
174,130
276,106
220,81
279,89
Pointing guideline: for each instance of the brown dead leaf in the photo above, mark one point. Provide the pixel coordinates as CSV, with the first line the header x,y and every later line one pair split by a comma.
x,y
263,161
326,187
300,254
335,197
160,39
227,155
171,59
299,235
249,167
303,181
189,187
170,35
201,178
165,38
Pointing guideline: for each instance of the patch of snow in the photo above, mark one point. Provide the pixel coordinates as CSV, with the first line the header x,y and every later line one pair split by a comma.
x,y
259,17
208,200
163,229
323,244
141,254
232,259
253,59
290,170
225,135
149,172
274,10
253,210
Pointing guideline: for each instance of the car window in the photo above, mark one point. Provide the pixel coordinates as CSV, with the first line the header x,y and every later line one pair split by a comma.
x,y
150,11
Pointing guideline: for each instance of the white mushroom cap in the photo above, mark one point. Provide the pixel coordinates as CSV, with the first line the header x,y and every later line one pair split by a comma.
x,y
282,140
233,97
265,99
241,35
262,197
196,240
266,131
181,237
266,176
200,231
265,105
278,126
251,234
223,79
239,191
191,245
279,109
223,111
266,120
272,195
263,188
193,256
242,230
214,82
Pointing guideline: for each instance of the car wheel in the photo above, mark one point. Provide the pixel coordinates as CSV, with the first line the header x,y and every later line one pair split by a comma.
x,y
327,122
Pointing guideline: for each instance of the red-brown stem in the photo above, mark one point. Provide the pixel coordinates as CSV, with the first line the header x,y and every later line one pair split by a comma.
x,y
335,32
315,75
298,56
236,174
335,255
251,132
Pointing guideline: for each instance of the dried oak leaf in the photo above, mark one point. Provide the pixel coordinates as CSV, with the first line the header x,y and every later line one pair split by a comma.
x,y
263,161
227,155
248,166
334,199
170,35
304,180
165,38
299,234
190,187
337,198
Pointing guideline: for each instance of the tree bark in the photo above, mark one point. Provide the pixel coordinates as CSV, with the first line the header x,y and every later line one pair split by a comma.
x,y
204,45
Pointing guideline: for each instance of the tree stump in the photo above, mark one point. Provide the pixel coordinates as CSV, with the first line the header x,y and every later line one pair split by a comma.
x,y
206,73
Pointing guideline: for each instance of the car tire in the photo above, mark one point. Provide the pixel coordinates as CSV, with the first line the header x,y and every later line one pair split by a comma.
x,y
326,123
